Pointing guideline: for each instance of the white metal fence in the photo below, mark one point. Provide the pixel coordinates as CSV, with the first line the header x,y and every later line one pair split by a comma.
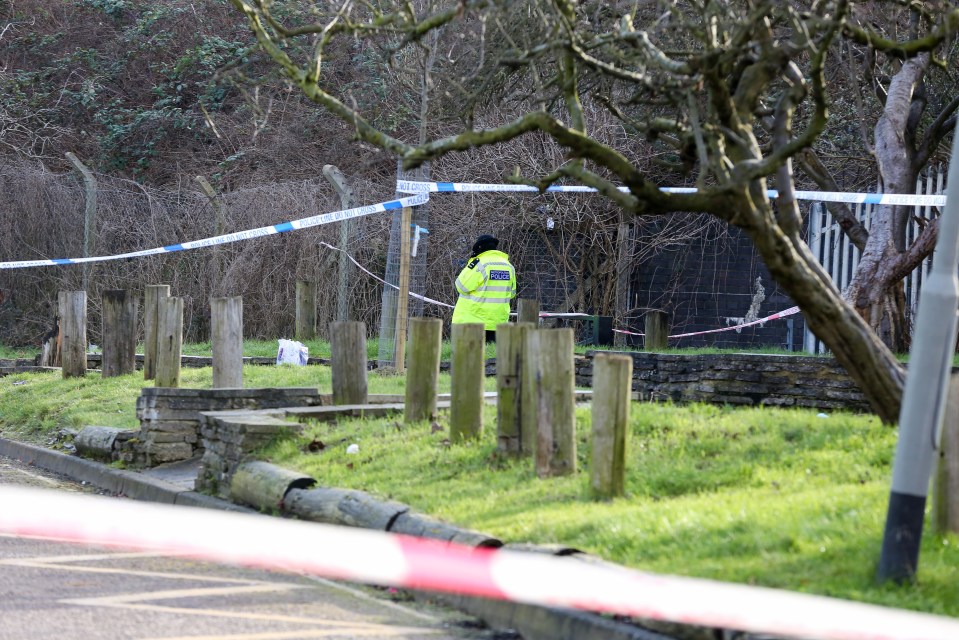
x,y
840,258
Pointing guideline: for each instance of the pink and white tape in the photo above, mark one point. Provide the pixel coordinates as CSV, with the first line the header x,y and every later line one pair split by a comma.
x,y
390,560
776,316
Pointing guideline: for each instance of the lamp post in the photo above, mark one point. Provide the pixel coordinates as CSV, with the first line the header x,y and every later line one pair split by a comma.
x,y
921,415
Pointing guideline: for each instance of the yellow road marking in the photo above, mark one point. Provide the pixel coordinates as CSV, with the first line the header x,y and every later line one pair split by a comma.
x,y
356,593
173,594
130,572
137,601
83,558
382,632
220,613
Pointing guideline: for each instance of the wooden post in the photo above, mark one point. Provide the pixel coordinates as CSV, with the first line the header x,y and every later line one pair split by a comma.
x,y
403,299
556,428
624,253
527,310
335,176
529,392
226,318
151,297
169,341
657,328
468,378
119,322
426,339
612,391
305,310
89,216
348,361
50,346
73,331
510,351
945,506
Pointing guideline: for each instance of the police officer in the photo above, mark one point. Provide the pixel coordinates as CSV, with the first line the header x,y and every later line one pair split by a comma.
x,y
485,286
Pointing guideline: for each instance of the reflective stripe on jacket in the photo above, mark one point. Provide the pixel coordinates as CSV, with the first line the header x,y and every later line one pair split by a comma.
x,y
485,287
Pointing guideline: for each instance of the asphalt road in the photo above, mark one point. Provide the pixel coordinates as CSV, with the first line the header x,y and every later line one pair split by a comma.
x,y
52,590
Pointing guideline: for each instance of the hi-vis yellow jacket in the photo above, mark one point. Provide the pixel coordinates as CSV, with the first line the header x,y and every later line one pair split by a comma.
x,y
486,285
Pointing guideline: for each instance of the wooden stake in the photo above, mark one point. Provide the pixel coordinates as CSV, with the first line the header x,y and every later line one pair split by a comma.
x,y
468,378
226,317
612,386
119,322
527,310
73,331
556,425
348,361
305,310
529,392
657,328
169,341
426,339
510,350
945,506
151,297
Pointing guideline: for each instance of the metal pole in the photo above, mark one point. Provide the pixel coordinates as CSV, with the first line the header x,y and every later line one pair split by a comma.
x,y
923,404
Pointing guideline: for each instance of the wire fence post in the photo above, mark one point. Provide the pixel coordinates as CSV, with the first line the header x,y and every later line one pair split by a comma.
x,y
347,200
386,354
90,213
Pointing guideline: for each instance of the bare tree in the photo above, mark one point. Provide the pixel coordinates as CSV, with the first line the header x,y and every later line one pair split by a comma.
x,y
730,91
904,89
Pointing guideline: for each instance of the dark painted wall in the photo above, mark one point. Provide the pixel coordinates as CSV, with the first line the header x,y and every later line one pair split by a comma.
x,y
705,283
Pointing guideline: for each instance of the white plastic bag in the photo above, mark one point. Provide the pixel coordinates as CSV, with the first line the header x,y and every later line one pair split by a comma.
x,y
292,352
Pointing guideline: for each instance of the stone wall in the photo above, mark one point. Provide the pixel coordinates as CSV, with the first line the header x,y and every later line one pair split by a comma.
x,y
230,436
738,379
170,418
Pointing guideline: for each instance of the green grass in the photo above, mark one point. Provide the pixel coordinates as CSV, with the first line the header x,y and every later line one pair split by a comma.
x,y
35,405
321,349
318,349
13,353
774,497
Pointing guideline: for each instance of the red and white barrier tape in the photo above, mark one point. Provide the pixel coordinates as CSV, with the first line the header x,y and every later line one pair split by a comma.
x,y
776,316
390,560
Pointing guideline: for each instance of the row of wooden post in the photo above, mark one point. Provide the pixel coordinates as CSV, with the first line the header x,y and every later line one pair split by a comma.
x,y
535,380
163,342
535,386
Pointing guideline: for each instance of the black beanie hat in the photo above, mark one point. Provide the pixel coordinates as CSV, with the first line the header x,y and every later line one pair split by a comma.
x,y
485,243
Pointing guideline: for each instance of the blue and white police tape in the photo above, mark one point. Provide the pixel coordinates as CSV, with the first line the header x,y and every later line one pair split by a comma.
x,y
283,227
909,199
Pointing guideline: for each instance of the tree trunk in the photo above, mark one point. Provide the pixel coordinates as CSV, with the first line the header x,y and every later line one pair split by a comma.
x,y
834,321
876,291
